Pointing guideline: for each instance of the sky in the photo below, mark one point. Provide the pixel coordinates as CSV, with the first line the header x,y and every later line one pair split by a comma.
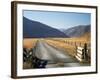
x,y
59,20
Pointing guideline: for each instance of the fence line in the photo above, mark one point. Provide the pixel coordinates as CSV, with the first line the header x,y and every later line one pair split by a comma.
x,y
73,43
77,44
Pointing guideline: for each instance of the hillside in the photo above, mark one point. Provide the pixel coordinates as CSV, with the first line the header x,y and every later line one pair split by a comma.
x,y
86,36
34,29
77,31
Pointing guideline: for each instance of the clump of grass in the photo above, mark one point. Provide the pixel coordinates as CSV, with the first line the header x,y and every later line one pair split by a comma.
x,y
29,42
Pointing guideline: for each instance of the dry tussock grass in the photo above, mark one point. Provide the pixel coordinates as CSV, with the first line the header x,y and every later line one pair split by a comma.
x,y
61,45
68,44
29,42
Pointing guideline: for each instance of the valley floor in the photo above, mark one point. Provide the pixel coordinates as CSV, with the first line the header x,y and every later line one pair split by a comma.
x,y
56,57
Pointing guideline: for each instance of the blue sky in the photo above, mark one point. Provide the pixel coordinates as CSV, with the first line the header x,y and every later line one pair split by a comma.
x,y
59,20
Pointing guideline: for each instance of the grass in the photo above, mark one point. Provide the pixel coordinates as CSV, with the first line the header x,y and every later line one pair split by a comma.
x,y
66,44
27,65
69,44
61,45
29,42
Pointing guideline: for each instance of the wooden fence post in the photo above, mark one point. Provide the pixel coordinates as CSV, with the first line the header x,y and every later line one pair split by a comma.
x,y
85,52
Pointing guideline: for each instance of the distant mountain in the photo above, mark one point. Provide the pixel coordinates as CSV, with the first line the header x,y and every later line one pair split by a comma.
x,y
77,31
34,29
62,29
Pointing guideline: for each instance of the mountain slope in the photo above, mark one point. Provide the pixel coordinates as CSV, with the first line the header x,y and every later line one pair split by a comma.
x,y
77,31
86,36
34,29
